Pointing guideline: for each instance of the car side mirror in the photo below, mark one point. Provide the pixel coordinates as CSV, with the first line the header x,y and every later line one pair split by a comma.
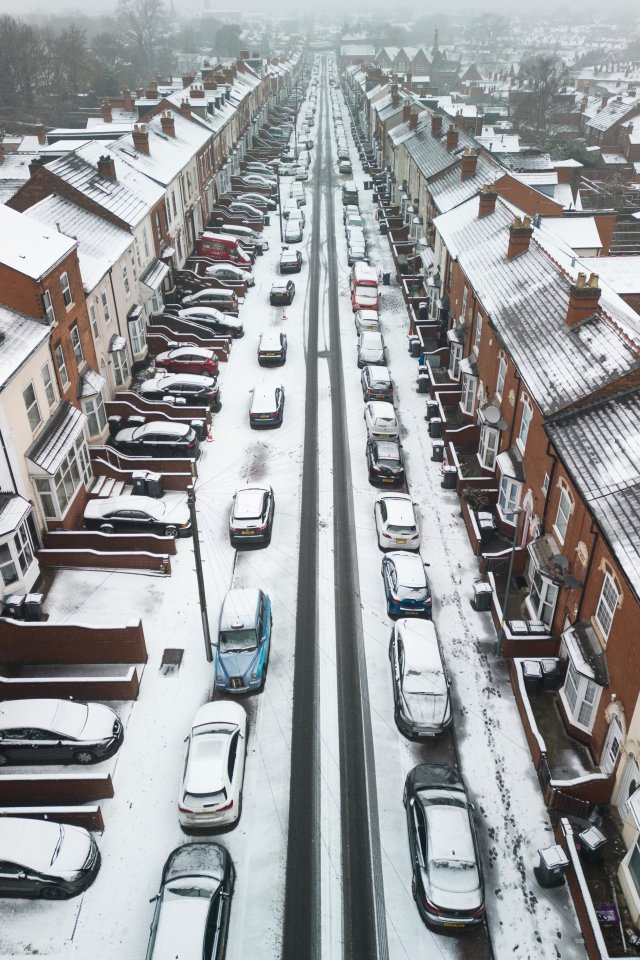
x,y
153,899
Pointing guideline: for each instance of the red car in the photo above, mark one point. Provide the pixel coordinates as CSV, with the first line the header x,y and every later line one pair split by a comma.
x,y
188,359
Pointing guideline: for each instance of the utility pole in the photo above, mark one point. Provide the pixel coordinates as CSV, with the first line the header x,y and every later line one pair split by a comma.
x,y
191,501
505,602
279,200
295,125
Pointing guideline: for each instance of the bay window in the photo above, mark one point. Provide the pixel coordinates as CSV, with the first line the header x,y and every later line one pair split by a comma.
x,y
607,605
55,493
509,498
16,556
489,443
454,360
468,399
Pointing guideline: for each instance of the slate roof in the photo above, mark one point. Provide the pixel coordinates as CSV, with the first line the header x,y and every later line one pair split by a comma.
x,y
600,447
448,190
430,154
527,299
168,156
20,336
613,113
28,247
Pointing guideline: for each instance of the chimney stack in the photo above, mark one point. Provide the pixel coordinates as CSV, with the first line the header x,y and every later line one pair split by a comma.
x,y
107,167
244,55
185,108
187,80
127,100
468,163
520,233
452,138
406,112
141,138
479,124
584,296
168,124
152,93
105,110
197,91
436,125
35,165
459,120
487,205
409,82
1,152
413,121
42,134
395,99
139,93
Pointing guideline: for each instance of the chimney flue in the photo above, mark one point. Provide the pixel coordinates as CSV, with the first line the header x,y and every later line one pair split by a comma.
x,y
520,233
141,139
107,167
168,124
584,296
468,164
413,121
406,112
42,134
452,139
105,110
436,125
487,204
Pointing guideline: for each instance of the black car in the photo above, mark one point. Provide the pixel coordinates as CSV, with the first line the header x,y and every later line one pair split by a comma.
x,y
384,459
282,294
57,731
168,516
290,261
447,874
39,858
272,348
194,388
251,517
158,438
193,904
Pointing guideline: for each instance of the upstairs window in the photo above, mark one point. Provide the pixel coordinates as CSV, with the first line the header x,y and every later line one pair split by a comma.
x,y
47,303
105,307
476,342
66,290
565,505
77,346
33,410
62,366
525,423
49,388
607,605
502,373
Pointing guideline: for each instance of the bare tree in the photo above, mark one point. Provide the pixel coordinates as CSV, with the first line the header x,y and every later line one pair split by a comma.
x,y
543,77
143,22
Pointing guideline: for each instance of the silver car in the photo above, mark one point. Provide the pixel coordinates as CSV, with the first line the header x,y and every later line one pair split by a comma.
x,y
371,349
422,703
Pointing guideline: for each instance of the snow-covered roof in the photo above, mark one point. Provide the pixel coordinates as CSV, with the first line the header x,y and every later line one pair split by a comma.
x,y
357,50
20,336
449,189
100,243
622,274
168,155
614,112
600,447
527,299
579,233
33,248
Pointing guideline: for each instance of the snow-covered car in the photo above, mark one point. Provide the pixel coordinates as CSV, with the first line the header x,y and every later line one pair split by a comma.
x,y
263,180
266,407
447,871
406,585
366,320
380,420
371,350
290,261
258,200
157,438
351,209
248,209
421,697
191,387
251,516
345,167
213,772
297,214
40,730
301,173
376,383
356,252
185,358
168,515
396,522
46,860
282,294
225,324
272,348
225,301
229,271
293,231
193,904
384,460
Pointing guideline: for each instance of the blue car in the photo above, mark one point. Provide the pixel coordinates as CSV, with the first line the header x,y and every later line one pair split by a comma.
x,y
244,641
406,585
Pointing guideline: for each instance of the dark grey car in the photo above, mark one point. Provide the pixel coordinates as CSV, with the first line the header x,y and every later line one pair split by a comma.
x,y
39,858
57,731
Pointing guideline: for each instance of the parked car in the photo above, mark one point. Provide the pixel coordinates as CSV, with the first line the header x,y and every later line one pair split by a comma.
x,y
244,641
384,459
356,252
293,231
183,358
371,349
290,205
272,348
40,858
297,193
266,407
251,516
297,214
190,386
406,585
57,731
421,698
193,904
168,516
259,200
377,383
353,222
282,294
226,301
351,209
227,272
157,438
447,872
345,167
290,261
224,324
301,173
264,180
396,522
380,420
211,788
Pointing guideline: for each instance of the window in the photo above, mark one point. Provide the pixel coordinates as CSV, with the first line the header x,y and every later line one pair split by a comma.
x,y
105,307
77,346
454,361
55,493
93,408
173,203
607,605
476,342
125,280
145,240
47,500
502,373
179,246
463,310
47,303
8,569
93,317
158,224
542,598
134,269
467,401
136,334
545,484
489,443
138,258
167,210
581,697
49,388
525,423
120,367
563,514
33,410
23,548
66,290
509,498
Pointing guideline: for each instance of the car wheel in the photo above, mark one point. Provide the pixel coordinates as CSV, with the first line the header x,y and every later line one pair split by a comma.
x,y
53,893
84,756
106,528
171,531
4,759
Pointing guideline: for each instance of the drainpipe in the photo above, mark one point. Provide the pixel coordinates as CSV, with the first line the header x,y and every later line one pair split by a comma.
x,y
8,462
515,410
596,538
551,476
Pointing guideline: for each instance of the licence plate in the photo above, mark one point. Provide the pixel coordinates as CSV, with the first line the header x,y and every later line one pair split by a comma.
x,y
387,479
264,416
269,354
246,533
449,923
399,540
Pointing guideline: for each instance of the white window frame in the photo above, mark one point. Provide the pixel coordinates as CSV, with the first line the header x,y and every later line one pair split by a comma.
x,y
32,407
563,516
125,280
95,326
93,408
468,398
508,498
47,303
542,597
65,286
105,307
463,310
62,366
580,696
76,345
607,605
454,360
137,334
60,490
478,335
502,375
489,446
47,382
120,362
525,424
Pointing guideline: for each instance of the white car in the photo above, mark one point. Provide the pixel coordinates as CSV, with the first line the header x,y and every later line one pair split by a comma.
x,y
293,231
381,421
367,320
213,773
396,522
298,215
301,173
297,193
371,349
228,271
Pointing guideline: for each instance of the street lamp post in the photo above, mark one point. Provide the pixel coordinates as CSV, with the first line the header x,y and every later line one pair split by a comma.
x,y
279,200
516,513
191,502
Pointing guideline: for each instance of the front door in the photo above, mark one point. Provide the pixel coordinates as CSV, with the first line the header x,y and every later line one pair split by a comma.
x,y
611,749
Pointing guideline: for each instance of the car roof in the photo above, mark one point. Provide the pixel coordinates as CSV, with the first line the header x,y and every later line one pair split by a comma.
x,y
198,379
264,398
283,285
421,650
368,315
28,842
382,409
248,502
239,608
291,256
370,337
203,352
450,838
204,310
379,374
270,338
99,508
408,567
398,507
181,927
36,712
387,448
163,426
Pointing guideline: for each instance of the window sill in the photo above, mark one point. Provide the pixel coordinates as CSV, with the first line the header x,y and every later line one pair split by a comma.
x,y
599,632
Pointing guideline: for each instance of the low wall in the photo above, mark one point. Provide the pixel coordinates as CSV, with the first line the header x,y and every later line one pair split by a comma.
x,y
89,816
593,939
22,642
100,560
54,787
124,687
96,540
150,408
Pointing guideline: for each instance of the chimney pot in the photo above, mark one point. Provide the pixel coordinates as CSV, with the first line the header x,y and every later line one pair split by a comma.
x,y
452,138
468,164
185,108
168,123
42,134
520,233
487,204
141,138
107,167
584,296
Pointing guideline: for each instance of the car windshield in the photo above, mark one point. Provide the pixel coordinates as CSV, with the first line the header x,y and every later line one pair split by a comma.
x,y
411,593
238,641
454,876
191,887
401,529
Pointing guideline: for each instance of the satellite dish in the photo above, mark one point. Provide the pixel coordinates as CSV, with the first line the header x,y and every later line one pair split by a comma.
x,y
491,414
560,561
